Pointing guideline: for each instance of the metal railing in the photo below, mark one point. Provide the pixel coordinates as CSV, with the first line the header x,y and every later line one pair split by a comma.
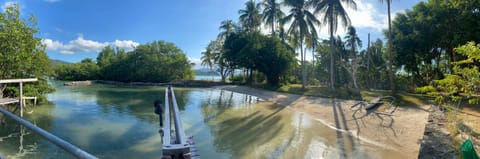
x,y
72,149
174,139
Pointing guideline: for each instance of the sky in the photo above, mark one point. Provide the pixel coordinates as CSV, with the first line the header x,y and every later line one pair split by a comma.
x,y
76,29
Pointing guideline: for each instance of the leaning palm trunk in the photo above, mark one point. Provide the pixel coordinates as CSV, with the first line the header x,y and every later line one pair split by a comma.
x,y
390,57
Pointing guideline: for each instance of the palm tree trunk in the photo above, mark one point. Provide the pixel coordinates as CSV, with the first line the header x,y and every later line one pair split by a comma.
x,y
303,64
273,28
313,61
332,60
368,62
390,65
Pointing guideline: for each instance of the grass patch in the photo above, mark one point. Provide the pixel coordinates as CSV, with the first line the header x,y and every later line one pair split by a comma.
x,y
403,98
319,91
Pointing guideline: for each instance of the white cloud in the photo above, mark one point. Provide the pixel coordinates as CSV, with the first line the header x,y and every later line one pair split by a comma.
x,y
8,4
197,62
125,44
51,45
366,16
81,45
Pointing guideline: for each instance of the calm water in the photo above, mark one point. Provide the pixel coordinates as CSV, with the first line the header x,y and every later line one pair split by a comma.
x,y
208,77
119,122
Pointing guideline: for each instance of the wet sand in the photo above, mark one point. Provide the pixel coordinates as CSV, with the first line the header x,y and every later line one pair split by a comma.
x,y
398,135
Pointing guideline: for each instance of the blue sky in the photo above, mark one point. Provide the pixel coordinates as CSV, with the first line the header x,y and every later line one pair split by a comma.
x,y
77,29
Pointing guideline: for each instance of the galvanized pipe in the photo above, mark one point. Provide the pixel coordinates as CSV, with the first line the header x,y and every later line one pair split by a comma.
x,y
72,149
174,142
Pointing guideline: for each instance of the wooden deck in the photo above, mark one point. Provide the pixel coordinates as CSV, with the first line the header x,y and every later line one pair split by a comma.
x,y
5,101
20,99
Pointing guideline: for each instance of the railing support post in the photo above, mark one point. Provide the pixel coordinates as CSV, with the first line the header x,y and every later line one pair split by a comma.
x,y
21,99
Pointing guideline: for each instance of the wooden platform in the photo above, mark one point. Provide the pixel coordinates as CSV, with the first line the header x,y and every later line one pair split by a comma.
x,y
4,101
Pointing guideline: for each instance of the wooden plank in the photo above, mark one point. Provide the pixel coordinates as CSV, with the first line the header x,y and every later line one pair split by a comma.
x,y
4,101
18,80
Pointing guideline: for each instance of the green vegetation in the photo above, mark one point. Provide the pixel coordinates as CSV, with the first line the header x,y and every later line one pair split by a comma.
x,y
418,52
151,62
463,82
22,55
254,51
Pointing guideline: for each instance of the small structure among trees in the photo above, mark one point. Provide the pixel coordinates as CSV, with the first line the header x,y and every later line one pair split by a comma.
x,y
22,55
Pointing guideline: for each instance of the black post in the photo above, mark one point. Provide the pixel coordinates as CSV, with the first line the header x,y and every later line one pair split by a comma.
x,y
158,110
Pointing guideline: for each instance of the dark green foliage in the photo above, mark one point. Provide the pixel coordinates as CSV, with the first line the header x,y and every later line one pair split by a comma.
x,y
274,59
258,52
424,37
152,62
464,82
22,55
87,69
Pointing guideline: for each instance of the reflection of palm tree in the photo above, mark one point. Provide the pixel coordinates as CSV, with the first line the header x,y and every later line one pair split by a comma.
x,y
389,48
303,24
333,11
272,13
250,16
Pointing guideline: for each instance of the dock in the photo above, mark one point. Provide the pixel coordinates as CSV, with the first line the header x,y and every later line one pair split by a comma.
x,y
21,98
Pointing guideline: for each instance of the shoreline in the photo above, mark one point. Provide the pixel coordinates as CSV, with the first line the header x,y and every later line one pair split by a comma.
x,y
399,134
187,83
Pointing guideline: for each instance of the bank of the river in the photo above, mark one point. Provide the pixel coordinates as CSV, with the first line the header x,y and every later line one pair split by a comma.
x,y
188,83
401,132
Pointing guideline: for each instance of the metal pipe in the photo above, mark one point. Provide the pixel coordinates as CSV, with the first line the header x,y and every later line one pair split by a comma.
x,y
75,151
174,140
167,127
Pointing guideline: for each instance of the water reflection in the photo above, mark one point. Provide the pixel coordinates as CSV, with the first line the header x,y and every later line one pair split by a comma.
x,y
119,122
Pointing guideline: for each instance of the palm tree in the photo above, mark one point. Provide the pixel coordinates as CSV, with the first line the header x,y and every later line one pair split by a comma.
x,y
272,13
389,48
227,27
250,16
332,11
208,57
352,40
303,24
353,63
312,42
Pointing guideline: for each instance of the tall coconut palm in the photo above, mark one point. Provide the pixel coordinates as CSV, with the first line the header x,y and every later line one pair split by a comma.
x,y
333,13
302,23
389,48
272,13
250,16
354,61
208,57
226,28
352,40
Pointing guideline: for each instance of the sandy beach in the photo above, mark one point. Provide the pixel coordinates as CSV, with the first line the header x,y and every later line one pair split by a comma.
x,y
399,134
